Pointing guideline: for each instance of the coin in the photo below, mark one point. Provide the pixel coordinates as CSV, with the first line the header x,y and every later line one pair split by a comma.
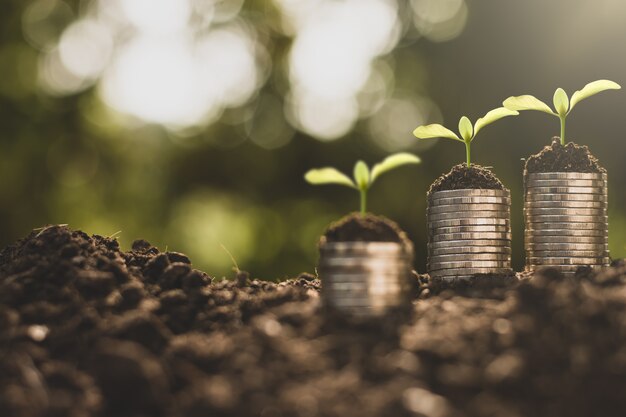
x,y
470,236
565,269
468,271
565,175
433,266
480,221
565,232
472,257
568,226
468,214
469,229
468,207
470,250
565,197
566,239
567,190
540,218
567,261
567,253
567,246
566,183
364,249
471,200
474,243
566,204
372,262
565,211
469,192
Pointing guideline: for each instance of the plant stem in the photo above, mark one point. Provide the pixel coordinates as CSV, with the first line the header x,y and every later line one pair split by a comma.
x,y
468,152
363,201
562,130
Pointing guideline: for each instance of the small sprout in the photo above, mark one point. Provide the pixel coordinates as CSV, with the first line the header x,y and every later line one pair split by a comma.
x,y
563,105
363,177
466,130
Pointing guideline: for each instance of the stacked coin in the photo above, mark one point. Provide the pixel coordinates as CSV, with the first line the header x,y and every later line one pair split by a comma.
x,y
469,233
566,220
365,278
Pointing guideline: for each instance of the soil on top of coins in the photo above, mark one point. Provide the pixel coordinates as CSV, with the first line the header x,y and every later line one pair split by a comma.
x,y
563,158
357,227
88,330
462,177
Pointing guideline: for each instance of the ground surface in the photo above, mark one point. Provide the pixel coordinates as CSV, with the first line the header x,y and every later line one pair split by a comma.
x,y
87,330
563,158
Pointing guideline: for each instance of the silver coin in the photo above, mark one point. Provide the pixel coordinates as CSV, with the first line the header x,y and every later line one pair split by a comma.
x,y
567,246
566,239
378,263
563,268
565,197
434,266
539,218
472,257
474,243
471,200
566,183
565,211
468,214
469,271
468,222
373,302
470,236
364,248
468,207
471,229
568,226
567,204
363,292
567,190
567,253
469,250
567,261
565,232
470,192
565,175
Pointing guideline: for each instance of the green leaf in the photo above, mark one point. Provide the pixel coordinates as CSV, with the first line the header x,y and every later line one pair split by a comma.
x,y
466,129
591,89
362,175
561,102
492,116
328,176
392,162
434,131
527,102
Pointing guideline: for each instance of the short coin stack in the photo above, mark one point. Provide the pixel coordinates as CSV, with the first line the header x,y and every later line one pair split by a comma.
x,y
365,278
566,220
469,233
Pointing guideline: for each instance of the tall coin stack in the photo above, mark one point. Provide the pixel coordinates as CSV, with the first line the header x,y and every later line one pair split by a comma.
x,y
566,220
469,233
365,278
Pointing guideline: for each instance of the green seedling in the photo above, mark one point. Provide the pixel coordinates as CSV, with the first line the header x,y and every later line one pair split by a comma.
x,y
466,130
563,104
363,177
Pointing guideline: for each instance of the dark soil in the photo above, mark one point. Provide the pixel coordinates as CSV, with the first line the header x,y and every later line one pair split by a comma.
x,y
87,330
559,158
356,227
462,177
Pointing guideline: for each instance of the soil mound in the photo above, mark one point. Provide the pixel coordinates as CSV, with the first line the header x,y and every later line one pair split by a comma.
x,y
462,177
356,227
559,158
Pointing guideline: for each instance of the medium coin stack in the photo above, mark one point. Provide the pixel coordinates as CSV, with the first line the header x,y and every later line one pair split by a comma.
x,y
365,278
469,233
566,220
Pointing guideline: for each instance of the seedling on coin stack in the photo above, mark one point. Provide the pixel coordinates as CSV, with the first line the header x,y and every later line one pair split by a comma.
x,y
365,260
468,212
565,208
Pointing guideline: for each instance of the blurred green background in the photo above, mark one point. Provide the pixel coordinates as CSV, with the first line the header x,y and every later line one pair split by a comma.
x,y
190,123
